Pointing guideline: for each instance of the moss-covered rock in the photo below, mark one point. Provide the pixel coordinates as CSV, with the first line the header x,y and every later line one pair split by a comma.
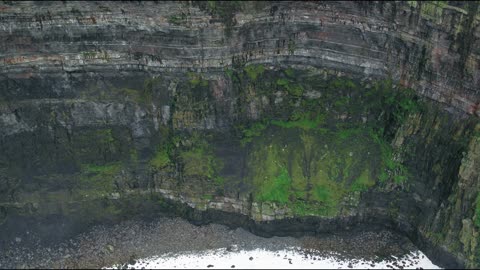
x,y
314,169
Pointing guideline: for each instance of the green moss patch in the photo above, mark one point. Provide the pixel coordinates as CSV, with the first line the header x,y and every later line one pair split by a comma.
x,y
391,168
198,158
198,162
275,189
103,170
290,86
311,171
363,182
254,130
161,159
98,180
301,120
254,71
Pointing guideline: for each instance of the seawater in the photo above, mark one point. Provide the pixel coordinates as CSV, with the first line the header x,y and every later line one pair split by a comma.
x,y
293,258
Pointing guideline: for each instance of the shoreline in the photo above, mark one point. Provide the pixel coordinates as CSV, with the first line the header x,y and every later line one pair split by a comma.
x,y
292,258
130,241
294,228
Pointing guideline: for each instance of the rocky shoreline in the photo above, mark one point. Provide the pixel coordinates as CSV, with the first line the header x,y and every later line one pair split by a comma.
x,y
179,228
128,241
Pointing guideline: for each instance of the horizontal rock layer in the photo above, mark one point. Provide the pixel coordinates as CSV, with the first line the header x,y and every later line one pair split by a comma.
x,y
431,47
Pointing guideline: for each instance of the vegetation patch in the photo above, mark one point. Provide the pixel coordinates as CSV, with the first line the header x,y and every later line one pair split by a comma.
x,y
219,181
97,180
314,154
290,86
290,72
254,71
207,197
363,182
301,120
198,162
161,159
310,170
249,133
198,158
391,168
275,189
103,170
196,79
326,158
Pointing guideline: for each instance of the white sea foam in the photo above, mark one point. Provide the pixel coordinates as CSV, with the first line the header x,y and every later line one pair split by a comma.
x,y
266,259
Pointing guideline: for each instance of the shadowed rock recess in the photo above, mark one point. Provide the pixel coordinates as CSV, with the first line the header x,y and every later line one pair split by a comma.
x,y
286,118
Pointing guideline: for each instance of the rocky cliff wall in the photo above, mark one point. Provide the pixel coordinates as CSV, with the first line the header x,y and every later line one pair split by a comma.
x,y
429,46
353,113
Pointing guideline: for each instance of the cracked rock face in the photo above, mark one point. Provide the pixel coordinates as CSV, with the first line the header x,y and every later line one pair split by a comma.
x,y
108,109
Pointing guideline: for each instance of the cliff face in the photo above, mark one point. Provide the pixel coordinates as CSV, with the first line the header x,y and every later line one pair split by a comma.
x,y
351,112
431,47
